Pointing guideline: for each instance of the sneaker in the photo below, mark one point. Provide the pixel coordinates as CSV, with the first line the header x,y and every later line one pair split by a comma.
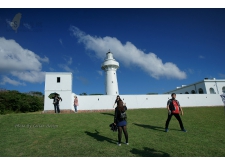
x,y
127,143
166,130
184,130
118,144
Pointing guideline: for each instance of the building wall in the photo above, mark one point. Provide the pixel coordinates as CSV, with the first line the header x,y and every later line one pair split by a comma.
x,y
217,87
189,89
63,88
105,102
65,104
64,84
221,87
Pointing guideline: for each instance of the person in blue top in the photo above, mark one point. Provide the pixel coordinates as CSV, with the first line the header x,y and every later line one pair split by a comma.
x,y
174,109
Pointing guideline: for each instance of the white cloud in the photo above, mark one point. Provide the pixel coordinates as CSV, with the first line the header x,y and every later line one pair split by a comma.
x,y
65,67
83,80
26,25
60,40
191,71
100,72
30,76
70,61
20,62
45,59
9,22
202,57
5,80
128,54
221,75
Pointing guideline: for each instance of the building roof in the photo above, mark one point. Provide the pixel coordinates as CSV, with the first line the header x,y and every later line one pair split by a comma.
x,y
58,72
202,81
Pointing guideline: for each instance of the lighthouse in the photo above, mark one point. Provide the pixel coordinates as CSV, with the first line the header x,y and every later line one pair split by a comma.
x,y
110,65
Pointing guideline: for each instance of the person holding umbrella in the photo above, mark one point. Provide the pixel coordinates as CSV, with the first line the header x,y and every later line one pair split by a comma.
x,y
56,99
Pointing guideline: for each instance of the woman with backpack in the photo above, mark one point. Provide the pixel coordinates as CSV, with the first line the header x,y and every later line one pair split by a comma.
x,y
120,119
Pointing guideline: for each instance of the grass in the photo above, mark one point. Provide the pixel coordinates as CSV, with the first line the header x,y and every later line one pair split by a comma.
x,y
89,134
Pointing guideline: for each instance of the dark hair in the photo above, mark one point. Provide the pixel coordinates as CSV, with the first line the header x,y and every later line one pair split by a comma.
x,y
173,94
117,97
120,106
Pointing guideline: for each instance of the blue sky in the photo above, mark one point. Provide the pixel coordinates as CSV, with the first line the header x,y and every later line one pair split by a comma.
x,y
157,49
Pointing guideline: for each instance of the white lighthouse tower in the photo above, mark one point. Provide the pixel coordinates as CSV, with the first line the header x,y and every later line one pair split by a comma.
x,y
110,65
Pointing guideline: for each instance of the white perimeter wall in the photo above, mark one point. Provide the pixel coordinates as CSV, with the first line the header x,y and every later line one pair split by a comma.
x,y
105,102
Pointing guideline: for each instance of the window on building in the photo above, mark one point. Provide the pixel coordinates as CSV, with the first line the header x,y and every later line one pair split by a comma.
x,y
186,93
58,79
200,91
211,90
193,92
180,93
223,89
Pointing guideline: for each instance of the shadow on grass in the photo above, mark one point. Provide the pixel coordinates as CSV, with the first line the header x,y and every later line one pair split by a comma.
x,y
99,137
110,114
150,127
154,127
148,152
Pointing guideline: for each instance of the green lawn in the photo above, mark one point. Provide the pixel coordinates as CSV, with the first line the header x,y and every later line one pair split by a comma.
x,y
89,134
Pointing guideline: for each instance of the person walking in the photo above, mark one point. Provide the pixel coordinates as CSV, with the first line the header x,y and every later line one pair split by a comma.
x,y
120,120
75,103
56,103
174,109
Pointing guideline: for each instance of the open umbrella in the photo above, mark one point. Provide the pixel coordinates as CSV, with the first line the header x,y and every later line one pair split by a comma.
x,y
52,95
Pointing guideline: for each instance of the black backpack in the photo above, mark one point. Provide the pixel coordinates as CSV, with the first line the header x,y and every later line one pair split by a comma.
x,y
123,115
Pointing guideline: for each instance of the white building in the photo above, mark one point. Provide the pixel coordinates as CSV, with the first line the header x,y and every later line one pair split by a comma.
x,y
61,83
110,65
206,86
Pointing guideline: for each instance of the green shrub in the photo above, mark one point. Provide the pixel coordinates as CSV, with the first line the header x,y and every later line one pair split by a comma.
x,y
2,109
20,102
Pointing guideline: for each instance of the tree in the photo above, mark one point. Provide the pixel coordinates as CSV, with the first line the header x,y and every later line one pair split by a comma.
x,y
83,94
152,93
14,101
96,94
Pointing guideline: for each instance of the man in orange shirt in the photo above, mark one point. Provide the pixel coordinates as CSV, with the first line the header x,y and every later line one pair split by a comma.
x,y
173,107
